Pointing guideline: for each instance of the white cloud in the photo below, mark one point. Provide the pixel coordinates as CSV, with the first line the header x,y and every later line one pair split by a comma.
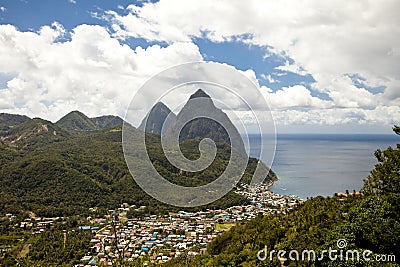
x,y
268,78
2,9
331,41
295,68
380,116
295,96
92,72
345,94
328,40
72,1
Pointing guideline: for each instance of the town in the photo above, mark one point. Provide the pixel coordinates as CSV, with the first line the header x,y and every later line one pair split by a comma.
x,y
159,238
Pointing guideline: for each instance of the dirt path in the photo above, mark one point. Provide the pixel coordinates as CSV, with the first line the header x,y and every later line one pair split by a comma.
x,y
24,251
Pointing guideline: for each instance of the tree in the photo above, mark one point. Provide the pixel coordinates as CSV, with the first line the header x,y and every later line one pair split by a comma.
x,y
385,177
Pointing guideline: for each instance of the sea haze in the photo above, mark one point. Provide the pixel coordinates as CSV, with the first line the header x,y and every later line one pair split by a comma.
x,y
321,164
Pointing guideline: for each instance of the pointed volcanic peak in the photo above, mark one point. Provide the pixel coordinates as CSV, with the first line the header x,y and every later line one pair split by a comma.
x,y
209,122
8,121
199,93
155,119
33,133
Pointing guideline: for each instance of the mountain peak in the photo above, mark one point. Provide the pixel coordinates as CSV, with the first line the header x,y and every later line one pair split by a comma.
x,y
199,93
154,120
76,112
76,121
79,122
200,118
161,106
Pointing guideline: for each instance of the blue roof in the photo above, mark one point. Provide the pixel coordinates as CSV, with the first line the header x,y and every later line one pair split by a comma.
x,y
145,249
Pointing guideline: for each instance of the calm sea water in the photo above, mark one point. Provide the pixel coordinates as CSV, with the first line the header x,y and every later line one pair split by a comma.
x,y
312,165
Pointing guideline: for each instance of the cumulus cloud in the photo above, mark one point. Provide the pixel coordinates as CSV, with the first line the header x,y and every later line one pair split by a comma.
x,y
379,115
269,78
295,68
328,40
92,72
295,96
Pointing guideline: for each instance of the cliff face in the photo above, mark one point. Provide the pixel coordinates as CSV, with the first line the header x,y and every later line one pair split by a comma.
x,y
154,120
210,122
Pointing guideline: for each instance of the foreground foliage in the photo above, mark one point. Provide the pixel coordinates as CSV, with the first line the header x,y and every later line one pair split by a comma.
x,y
54,247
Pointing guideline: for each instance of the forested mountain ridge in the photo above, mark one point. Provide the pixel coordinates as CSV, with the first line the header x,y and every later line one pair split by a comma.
x,y
21,131
53,172
76,121
33,133
8,121
107,121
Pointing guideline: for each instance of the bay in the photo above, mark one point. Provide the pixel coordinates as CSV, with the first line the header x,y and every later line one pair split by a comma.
x,y
309,165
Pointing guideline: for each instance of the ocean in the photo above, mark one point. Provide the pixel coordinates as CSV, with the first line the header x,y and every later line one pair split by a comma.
x,y
309,165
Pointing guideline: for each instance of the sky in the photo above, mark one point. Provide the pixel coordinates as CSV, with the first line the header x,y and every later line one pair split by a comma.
x,y
322,66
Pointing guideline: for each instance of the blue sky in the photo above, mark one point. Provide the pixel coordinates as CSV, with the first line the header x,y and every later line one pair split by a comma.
x,y
31,15
317,72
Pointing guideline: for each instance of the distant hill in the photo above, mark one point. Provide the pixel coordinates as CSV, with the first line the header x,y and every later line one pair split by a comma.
x,y
22,132
8,121
155,119
76,121
108,121
33,133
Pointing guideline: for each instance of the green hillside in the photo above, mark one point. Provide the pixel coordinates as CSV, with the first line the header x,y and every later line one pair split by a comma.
x,y
8,121
108,121
34,133
71,174
77,122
